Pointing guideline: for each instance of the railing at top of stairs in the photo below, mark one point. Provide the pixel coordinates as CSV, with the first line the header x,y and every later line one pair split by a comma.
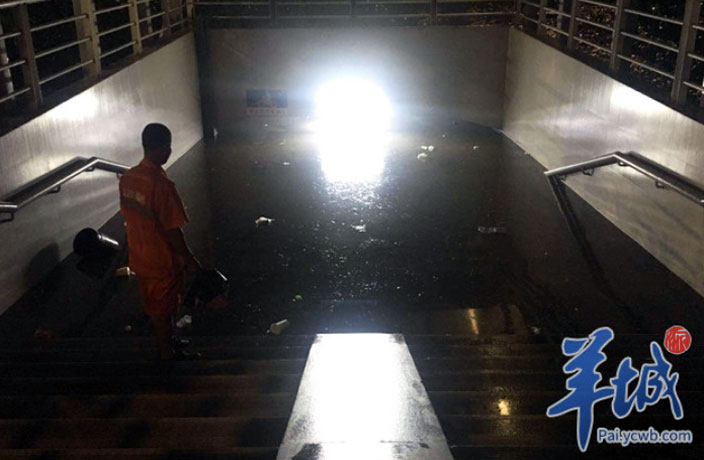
x,y
52,182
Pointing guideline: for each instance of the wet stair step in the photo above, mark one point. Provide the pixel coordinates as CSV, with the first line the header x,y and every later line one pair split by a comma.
x,y
260,383
127,405
184,368
244,453
220,352
168,433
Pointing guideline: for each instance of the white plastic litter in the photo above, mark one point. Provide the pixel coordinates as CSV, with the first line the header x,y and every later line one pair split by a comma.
x,y
500,230
424,147
431,148
360,228
476,147
423,157
279,326
124,271
185,320
263,221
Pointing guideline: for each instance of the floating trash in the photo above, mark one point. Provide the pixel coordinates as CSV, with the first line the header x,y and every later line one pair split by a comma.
x,y
535,330
491,230
263,221
476,147
124,271
185,321
128,328
360,228
286,163
431,148
298,298
424,147
279,326
423,157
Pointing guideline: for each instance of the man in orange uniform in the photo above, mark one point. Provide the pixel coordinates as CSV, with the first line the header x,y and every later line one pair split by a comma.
x,y
158,252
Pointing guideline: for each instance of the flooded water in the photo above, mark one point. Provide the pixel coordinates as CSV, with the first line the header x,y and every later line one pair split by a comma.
x,y
435,228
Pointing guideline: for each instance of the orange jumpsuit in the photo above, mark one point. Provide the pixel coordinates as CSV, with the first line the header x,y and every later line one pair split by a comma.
x,y
151,205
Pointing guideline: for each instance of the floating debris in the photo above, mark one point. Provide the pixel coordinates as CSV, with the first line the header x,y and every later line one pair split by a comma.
x,y
298,298
423,157
431,148
476,147
535,330
128,328
360,228
124,271
185,321
492,230
424,147
279,326
286,163
263,221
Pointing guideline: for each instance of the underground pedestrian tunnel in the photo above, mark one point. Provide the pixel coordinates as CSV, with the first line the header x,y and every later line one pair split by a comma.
x,y
414,204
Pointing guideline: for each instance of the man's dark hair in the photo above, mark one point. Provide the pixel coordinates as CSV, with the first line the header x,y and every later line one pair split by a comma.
x,y
156,135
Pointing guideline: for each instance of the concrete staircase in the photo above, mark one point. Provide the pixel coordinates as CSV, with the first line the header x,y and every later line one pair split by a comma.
x,y
106,398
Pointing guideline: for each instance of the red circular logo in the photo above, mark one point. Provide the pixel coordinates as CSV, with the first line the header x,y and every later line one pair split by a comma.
x,y
677,340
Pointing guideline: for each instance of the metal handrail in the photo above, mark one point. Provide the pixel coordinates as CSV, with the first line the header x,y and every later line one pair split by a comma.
x,y
663,177
52,182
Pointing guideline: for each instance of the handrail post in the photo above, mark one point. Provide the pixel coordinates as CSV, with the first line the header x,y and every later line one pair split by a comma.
x,y
166,21
541,15
26,47
684,62
617,38
135,29
190,12
88,27
573,25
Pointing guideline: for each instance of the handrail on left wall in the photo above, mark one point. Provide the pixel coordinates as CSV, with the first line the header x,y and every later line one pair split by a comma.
x,y
52,182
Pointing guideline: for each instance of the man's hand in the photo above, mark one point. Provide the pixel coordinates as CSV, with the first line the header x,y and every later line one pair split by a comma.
x,y
178,245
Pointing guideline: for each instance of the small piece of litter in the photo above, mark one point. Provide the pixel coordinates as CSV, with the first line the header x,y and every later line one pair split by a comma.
x,y
424,147
263,221
298,298
360,228
476,147
535,330
286,163
431,148
186,320
490,230
278,327
128,328
124,271
422,157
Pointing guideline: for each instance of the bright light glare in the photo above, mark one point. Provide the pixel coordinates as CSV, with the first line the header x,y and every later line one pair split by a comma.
x,y
353,118
357,375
